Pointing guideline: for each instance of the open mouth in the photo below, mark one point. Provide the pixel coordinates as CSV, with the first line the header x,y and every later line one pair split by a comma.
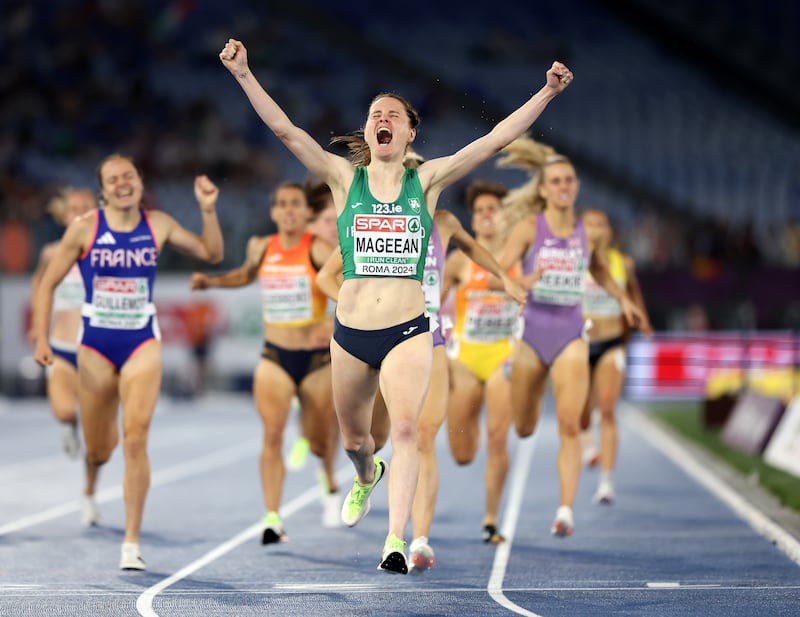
x,y
384,136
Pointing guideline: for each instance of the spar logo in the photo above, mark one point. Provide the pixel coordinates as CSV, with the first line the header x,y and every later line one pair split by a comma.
x,y
124,286
365,223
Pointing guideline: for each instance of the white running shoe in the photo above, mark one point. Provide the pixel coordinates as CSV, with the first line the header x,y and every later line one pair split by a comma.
x,y
591,457
421,556
331,510
605,493
130,558
69,439
90,517
563,525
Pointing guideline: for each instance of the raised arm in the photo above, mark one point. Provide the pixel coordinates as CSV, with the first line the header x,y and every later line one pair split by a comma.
x,y
208,246
328,166
446,170
238,277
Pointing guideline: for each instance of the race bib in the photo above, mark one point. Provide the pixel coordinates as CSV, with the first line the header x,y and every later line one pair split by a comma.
x,y
286,298
120,303
563,280
558,287
489,317
386,245
597,301
70,293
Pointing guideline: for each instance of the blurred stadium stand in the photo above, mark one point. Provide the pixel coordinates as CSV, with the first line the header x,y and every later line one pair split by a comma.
x,y
698,174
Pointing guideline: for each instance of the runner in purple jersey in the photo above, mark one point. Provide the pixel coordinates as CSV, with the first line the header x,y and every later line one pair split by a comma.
x,y
551,242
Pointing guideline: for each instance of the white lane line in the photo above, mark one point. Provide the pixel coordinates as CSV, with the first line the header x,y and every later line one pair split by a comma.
x,y
519,478
325,587
144,603
674,450
278,590
201,464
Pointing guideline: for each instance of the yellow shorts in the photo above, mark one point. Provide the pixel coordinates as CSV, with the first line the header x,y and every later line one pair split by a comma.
x,y
483,359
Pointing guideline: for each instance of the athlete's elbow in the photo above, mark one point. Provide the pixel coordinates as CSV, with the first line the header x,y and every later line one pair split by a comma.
x,y
215,257
286,132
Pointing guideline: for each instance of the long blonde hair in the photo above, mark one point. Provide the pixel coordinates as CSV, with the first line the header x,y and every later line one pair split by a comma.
x,y
532,156
57,206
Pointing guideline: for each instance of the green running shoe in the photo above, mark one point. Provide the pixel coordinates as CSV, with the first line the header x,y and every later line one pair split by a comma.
x,y
273,529
394,557
356,504
298,454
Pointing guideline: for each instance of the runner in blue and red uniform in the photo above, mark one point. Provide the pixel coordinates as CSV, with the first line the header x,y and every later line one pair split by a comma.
x,y
119,358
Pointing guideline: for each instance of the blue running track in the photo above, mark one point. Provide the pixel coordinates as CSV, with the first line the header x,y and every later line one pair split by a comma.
x,y
677,542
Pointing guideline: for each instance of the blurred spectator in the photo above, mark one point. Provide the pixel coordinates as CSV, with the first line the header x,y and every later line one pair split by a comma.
x,y
16,247
84,78
202,320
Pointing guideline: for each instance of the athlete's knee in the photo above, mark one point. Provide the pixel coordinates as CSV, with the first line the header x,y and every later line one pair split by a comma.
x,y
525,421
65,412
354,442
134,443
318,447
497,443
272,435
607,409
462,450
569,426
524,428
463,457
98,454
404,431
426,435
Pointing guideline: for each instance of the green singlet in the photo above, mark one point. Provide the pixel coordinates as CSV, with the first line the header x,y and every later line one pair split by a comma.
x,y
384,239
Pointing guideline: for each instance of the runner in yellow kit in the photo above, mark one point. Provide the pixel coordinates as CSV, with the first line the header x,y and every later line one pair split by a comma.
x,y
607,338
480,345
